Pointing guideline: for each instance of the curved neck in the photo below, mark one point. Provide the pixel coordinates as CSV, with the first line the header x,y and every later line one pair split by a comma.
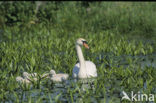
x,y
82,71
80,56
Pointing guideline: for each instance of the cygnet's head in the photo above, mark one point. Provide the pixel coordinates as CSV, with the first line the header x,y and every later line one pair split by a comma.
x,y
19,79
25,74
52,72
82,42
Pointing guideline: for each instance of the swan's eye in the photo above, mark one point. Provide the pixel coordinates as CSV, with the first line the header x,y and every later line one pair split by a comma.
x,y
85,42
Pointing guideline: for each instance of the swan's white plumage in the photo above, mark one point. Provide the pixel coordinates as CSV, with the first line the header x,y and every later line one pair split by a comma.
x,y
90,68
83,69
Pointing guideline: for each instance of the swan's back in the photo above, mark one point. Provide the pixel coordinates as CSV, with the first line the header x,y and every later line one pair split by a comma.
x,y
59,77
90,68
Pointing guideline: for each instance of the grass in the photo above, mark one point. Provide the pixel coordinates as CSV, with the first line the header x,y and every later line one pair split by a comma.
x,y
42,46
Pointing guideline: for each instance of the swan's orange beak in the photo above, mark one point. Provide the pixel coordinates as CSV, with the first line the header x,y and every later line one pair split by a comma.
x,y
86,45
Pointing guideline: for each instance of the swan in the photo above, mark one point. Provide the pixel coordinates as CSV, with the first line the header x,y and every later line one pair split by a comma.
x,y
57,77
83,69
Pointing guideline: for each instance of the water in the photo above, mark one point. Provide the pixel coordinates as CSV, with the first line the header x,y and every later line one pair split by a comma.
x,y
143,60
64,92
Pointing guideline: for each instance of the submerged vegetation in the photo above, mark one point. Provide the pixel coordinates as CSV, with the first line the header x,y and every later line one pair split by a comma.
x,y
40,38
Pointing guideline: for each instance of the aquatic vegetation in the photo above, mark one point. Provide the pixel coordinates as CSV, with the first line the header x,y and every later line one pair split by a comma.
x,y
117,60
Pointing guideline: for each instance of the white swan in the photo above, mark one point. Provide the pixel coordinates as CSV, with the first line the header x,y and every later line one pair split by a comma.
x,y
83,69
58,77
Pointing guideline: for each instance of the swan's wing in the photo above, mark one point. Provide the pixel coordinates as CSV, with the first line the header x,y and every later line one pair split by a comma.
x,y
76,70
91,69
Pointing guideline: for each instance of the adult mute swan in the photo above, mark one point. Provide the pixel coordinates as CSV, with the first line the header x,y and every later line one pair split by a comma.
x,y
83,69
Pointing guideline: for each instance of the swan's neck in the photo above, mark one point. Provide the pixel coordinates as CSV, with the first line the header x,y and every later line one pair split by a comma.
x,y
82,71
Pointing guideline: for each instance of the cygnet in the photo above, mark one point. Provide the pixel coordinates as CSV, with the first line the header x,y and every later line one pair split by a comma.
x,y
58,77
22,80
32,76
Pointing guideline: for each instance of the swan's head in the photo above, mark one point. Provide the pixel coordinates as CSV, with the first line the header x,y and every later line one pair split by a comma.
x,y
82,42
25,74
19,79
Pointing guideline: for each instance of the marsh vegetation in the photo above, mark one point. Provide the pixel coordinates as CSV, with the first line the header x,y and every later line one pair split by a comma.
x,y
121,36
